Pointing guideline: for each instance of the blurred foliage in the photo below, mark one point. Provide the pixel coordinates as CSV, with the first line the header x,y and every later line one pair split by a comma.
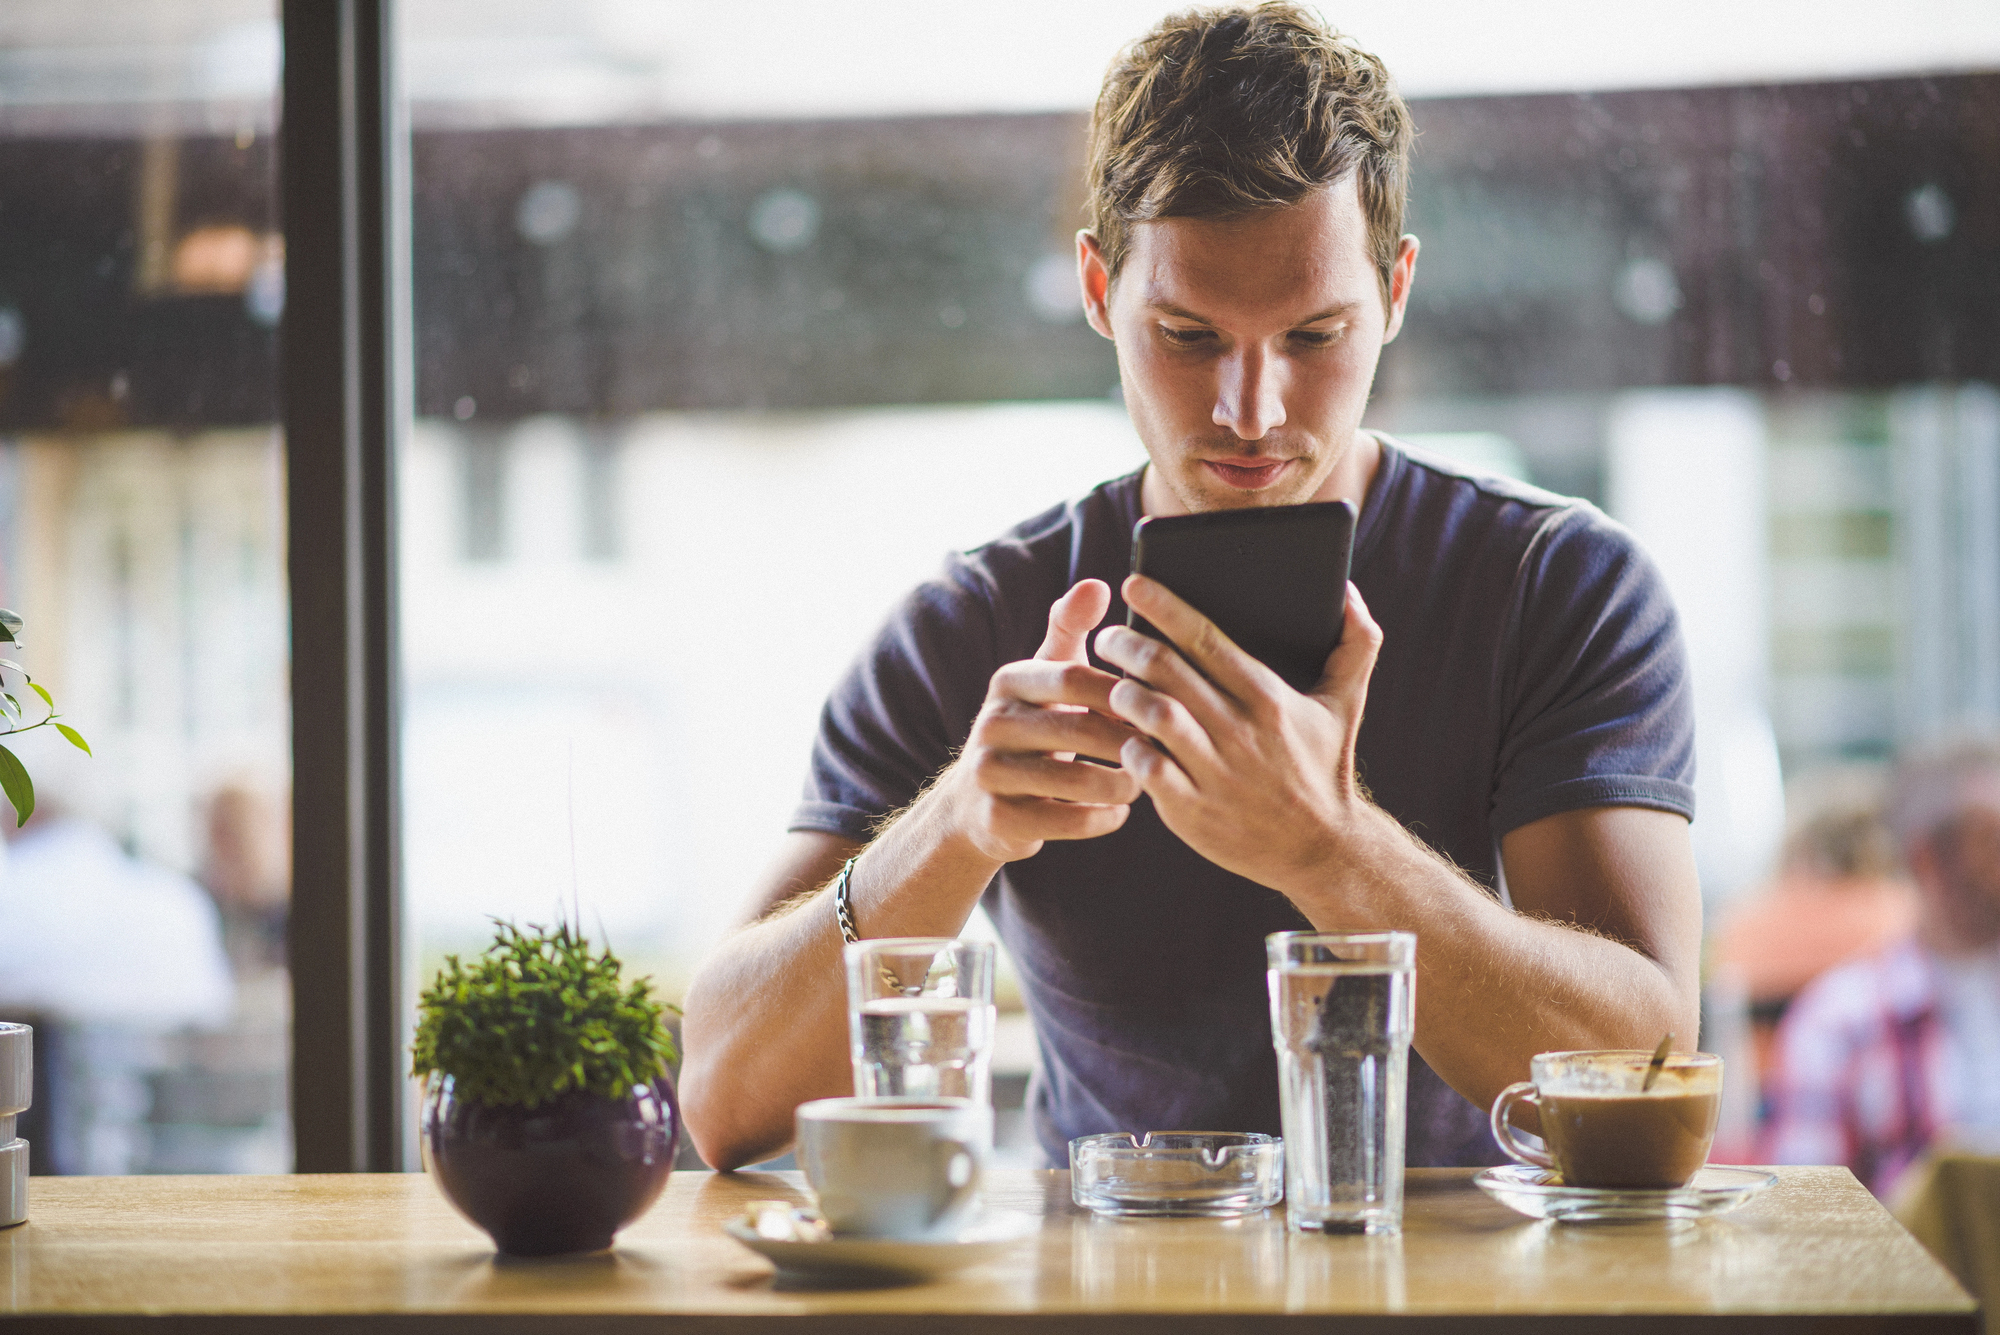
x,y
14,780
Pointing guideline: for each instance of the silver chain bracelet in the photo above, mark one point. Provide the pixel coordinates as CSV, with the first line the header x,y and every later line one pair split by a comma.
x,y
842,909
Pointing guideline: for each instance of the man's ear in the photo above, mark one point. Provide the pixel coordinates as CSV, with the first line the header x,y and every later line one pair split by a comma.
x,y
1096,281
1401,275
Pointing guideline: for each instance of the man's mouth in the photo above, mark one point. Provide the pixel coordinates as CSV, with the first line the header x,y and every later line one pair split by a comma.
x,y
1245,474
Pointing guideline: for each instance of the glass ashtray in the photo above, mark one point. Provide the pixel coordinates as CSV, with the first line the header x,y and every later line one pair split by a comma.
x,y
1216,1174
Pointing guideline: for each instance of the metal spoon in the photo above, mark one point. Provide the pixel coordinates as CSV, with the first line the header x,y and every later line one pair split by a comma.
x,y
1659,1060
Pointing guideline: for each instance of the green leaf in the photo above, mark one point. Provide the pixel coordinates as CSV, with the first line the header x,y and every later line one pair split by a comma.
x,y
12,703
536,1017
42,691
20,789
10,627
75,737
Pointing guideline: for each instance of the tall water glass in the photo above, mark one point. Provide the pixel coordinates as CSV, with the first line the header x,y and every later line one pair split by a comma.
x,y
920,1017
1343,1005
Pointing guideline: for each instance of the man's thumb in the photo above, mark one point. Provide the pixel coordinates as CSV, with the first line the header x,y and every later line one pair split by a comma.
x,y
1071,619
1345,682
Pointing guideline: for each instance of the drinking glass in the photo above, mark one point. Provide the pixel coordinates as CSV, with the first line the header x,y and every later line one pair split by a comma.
x,y
1343,1005
920,1017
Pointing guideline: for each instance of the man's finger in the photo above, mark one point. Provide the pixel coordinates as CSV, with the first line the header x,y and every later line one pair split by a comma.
x,y
1163,668
1235,672
1057,732
1168,721
1027,818
1159,774
1071,619
1012,774
1344,684
1033,681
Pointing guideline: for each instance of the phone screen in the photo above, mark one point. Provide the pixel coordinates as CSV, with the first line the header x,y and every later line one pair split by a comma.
x,y
1273,579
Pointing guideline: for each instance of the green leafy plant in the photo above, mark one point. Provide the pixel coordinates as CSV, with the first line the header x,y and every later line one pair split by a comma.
x,y
14,780
536,1016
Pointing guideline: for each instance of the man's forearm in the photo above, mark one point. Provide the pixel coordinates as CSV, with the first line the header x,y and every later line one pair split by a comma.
x,y
1495,986
766,1023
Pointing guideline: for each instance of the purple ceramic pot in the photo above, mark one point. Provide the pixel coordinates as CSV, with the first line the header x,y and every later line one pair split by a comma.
x,y
562,1177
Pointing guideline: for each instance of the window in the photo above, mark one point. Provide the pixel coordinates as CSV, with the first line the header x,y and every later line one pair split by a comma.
x,y
142,536
712,357
716,357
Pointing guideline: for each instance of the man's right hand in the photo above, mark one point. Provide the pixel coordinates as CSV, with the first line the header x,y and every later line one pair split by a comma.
x,y
766,1025
1019,781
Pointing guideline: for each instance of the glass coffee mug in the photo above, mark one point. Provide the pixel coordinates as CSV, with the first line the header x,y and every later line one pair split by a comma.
x,y
1605,1128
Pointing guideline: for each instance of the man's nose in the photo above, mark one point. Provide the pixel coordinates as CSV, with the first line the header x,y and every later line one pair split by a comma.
x,y
1249,394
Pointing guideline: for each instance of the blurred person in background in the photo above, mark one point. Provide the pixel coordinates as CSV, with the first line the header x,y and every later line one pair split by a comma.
x,y
107,954
247,870
1838,895
1891,1054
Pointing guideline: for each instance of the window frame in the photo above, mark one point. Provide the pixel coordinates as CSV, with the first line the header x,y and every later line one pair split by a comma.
x,y
343,171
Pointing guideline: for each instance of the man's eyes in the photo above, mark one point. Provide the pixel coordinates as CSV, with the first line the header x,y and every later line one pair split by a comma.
x,y
1302,338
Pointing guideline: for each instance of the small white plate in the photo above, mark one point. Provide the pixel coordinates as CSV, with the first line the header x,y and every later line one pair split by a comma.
x,y
838,1259
1540,1194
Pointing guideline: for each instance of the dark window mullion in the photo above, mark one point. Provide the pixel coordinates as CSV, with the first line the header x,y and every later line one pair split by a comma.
x,y
339,154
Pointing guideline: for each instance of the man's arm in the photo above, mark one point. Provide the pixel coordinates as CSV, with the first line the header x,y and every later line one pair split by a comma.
x,y
1260,779
766,1015
1603,950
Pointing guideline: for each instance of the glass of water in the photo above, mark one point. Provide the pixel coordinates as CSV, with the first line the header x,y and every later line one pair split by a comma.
x,y
1343,1005
920,1017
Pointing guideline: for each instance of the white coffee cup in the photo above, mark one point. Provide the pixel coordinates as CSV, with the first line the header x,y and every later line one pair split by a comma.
x,y
894,1167
17,1095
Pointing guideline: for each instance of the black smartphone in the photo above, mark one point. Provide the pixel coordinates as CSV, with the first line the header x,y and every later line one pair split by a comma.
x,y
1272,578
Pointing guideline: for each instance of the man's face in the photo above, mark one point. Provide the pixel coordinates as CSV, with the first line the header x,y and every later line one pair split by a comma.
x,y
1959,877
1247,347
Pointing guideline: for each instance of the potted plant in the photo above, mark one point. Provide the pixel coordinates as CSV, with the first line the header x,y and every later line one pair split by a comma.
x,y
548,1119
17,1041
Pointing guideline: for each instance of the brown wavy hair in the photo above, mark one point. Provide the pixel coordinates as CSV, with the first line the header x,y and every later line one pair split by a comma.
x,y
1217,113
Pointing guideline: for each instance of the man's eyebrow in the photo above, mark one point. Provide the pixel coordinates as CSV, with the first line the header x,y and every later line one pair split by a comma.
x,y
1344,308
1178,312
1183,313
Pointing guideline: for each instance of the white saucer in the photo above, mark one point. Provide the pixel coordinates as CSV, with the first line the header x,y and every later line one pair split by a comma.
x,y
1540,1194
839,1259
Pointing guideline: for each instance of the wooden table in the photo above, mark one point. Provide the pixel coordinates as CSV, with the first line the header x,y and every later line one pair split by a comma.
x,y
384,1253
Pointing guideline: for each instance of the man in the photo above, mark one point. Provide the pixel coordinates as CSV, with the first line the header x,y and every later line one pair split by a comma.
x,y
1528,731
1885,1056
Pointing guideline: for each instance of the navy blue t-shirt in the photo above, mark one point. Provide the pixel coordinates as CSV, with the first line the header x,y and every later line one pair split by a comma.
x,y
1531,664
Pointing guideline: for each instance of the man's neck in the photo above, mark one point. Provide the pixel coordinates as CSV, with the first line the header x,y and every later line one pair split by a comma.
x,y
1355,473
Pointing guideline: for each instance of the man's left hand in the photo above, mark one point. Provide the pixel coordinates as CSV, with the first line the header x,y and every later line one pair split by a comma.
x,y
1254,776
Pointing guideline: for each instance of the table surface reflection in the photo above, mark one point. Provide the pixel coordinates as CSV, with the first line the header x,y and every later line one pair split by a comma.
x,y
384,1252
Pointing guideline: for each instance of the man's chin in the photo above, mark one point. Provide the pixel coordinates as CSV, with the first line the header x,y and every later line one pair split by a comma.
x,y
1200,492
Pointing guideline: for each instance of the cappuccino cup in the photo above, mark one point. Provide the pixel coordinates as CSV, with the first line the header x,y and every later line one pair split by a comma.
x,y
894,1167
1604,1126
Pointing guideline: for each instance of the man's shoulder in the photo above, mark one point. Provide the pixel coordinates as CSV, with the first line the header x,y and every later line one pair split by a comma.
x,y
1439,505
1433,470
1004,586
1053,543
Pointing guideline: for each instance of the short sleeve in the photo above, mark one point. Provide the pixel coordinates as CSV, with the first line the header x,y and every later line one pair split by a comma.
x,y
1599,709
905,706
